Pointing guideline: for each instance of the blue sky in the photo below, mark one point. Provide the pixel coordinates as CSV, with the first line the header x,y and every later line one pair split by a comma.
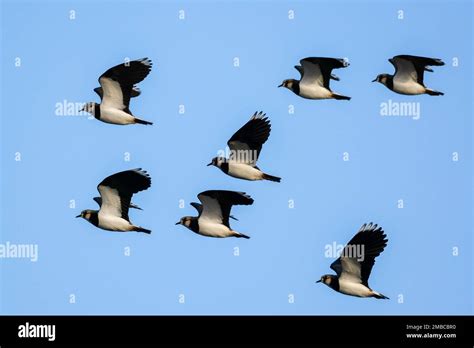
x,y
63,158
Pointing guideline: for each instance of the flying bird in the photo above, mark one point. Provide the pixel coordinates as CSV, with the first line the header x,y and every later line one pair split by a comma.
x,y
316,74
116,192
409,74
354,265
245,146
117,86
213,218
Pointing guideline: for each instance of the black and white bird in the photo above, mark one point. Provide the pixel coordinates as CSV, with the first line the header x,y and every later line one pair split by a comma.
x,y
409,74
98,200
316,73
116,192
117,86
245,146
214,214
354,265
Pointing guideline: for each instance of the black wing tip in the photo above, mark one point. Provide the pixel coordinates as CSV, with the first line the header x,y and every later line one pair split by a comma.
x,y
131,180
344,63
247,200
261,116
432,61
144,174
373,228
145,61
195,205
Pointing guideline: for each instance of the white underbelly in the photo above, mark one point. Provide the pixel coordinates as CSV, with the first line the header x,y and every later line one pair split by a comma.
x,y
314,92
213,229
354,289
244,171
115,116
114,223
408,87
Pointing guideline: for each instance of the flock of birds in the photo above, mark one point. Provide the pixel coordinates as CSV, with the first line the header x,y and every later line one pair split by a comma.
x,y
118,86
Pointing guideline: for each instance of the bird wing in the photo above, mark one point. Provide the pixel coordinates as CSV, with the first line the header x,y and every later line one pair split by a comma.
x,y
218,203
420,64
312,73
246,143
117,83
300,70
198,207
358,256
117,190
98,200
405,70
318,70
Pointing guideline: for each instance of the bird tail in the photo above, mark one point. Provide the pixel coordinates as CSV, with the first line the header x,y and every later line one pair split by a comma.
x,y
379,295
433,92
240,235
340,97
141,229
271,178
139,121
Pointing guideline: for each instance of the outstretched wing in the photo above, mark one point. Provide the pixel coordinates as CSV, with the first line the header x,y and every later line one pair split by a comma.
x,y
317,70
358,256
198,207
116,191
246,143
117,82
409,67
217,204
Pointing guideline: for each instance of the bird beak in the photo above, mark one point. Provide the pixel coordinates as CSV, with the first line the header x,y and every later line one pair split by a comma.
x,y
79,215
178,223
281,85
319,281
210,164
374,80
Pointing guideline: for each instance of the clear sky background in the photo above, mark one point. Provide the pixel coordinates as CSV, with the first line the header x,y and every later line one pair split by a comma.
x,y
63,158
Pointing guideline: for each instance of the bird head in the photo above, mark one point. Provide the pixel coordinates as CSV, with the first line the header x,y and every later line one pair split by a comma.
x,y
89,107
185,221
382,78
288,84
86,214
326,279
216,161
